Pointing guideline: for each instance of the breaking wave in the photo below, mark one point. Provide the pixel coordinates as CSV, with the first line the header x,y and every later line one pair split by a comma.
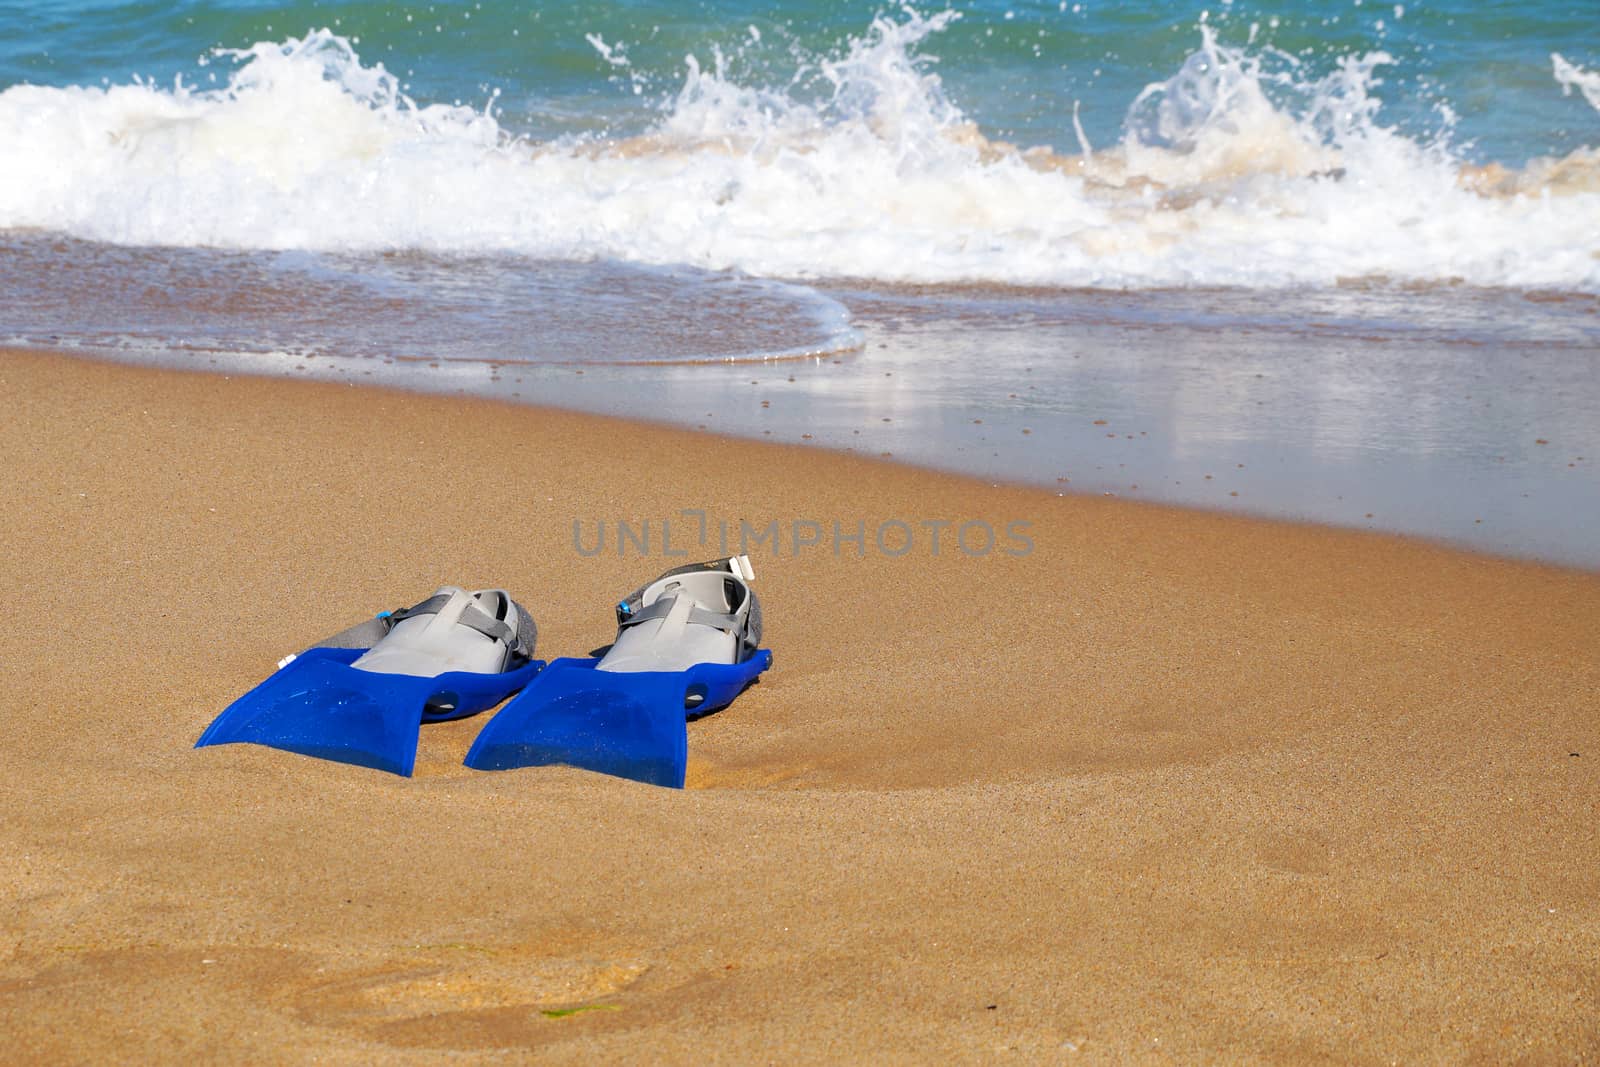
x,y
1240,169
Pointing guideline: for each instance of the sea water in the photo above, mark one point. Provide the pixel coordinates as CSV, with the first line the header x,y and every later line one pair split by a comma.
x,y
1346,253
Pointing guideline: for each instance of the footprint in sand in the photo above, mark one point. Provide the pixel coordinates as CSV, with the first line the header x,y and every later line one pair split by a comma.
x,y
466,996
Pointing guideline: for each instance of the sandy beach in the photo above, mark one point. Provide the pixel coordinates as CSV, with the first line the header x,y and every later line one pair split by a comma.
x,y
1169,787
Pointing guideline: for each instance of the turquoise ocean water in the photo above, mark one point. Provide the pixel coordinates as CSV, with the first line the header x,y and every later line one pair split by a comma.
x,y
1348,252
1478,73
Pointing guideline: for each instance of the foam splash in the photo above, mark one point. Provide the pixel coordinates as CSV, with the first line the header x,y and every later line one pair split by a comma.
x,y
1570,76
1239,169
880,88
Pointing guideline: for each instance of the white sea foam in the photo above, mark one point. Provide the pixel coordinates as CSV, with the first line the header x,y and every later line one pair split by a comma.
x,y
1570,76
1237,170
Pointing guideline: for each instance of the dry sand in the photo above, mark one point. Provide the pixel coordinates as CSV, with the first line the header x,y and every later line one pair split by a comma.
x,y
1173,787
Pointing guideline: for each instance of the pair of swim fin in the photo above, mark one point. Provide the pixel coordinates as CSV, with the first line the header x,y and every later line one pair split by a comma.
x,y
687,644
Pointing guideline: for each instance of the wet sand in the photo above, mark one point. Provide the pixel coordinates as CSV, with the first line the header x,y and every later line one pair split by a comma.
x,y
1171,787
1448,412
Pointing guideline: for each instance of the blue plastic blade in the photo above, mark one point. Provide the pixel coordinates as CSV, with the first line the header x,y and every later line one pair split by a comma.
x,y
631,725
318,705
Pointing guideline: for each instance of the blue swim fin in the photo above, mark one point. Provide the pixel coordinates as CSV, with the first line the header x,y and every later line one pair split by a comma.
x,y
362,696
319,705
629,724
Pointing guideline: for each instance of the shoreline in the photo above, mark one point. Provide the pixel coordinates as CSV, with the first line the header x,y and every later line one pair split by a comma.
x,y
1172,787
1528,554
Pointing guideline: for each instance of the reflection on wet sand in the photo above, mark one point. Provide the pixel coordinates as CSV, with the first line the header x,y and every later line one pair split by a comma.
x,y
1448,412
